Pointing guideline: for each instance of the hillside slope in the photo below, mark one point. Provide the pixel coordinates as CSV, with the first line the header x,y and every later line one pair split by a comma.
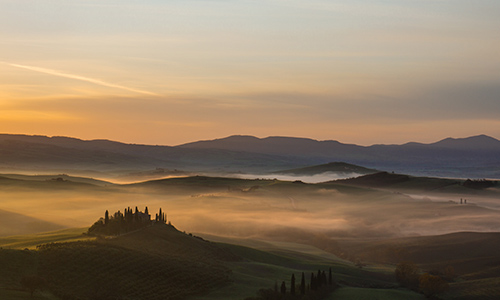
x,y
473,255
157,262
15,224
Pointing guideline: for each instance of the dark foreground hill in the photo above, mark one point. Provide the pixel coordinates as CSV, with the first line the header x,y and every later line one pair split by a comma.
x,y
157,262
471,259
473,255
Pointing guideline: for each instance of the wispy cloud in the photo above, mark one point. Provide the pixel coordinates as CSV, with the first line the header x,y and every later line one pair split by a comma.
x,y
81,78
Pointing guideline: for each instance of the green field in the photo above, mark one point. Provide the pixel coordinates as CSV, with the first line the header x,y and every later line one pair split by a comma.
x,y
80,267
129,261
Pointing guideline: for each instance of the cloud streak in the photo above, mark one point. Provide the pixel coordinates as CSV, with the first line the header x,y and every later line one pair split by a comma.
x,y
81,78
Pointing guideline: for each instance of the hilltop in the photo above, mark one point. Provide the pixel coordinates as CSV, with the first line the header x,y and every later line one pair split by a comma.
x,y
333,167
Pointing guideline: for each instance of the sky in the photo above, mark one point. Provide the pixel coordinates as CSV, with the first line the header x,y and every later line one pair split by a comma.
x,y
174,71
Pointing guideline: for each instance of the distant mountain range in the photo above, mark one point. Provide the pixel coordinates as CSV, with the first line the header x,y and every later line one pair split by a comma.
x,y
475,157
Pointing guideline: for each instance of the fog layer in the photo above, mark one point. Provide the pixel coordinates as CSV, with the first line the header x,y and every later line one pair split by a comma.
x,y
258,208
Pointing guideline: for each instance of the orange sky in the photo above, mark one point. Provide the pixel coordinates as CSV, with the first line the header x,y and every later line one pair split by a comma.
x,y
170,73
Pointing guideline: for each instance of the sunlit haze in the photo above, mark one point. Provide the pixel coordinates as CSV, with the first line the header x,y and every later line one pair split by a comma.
x,y
171,72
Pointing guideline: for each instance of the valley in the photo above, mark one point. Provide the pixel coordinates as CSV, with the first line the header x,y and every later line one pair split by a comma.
x,y
360,227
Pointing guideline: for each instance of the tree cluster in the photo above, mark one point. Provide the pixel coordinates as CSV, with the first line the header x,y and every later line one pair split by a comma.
x,y
479,183
319,286
409,276
129,220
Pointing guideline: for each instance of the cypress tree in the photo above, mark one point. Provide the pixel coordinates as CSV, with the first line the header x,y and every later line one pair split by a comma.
x,y
323,278
106,218
303,285
283,288
136,215
129,215
160,216
313,282
318,279
330,277
292,285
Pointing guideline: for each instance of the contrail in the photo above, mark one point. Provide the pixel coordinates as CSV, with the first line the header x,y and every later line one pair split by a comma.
x,y
78,77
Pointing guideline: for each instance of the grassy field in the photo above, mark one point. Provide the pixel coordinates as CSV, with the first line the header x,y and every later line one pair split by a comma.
x,y
137,263
143,260
16,294
348,293
262,268
32,240
482,289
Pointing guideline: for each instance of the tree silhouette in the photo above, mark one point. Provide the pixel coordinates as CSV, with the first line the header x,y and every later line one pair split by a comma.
x,y
407,274
119,223
303,285
313,282
292,285
330,277
283,288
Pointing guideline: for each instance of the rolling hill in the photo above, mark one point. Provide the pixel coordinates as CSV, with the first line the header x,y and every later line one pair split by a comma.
x,y
58,178
473,255
402,182
160,262
13,224
333,167
156,263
